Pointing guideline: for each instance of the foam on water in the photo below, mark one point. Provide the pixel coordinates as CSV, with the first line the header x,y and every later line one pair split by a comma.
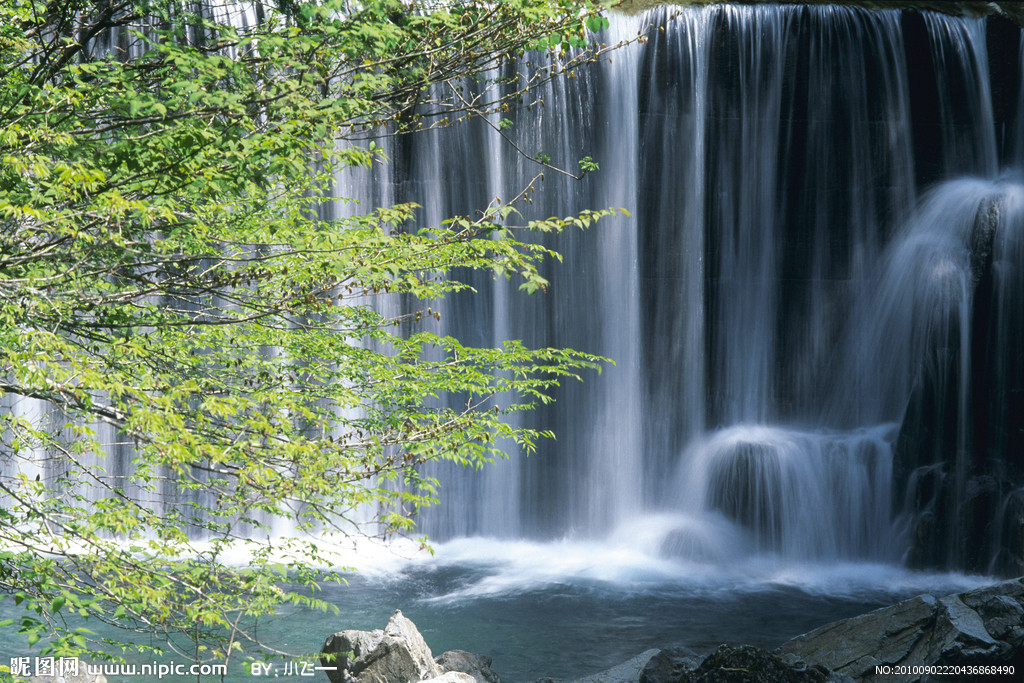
x,y
497,568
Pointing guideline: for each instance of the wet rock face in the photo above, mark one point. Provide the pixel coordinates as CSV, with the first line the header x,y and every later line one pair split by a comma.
x,y
959,457
477,666
670,665
746,664
398,654
982,627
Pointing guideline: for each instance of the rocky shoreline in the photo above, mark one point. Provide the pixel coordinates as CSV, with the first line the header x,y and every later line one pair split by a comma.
x,y
974,635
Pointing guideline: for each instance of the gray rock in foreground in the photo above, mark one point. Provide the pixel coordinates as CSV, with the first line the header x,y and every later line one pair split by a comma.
x,y
670,665
627,672
747,664
983,627
398,654
453,677
477,666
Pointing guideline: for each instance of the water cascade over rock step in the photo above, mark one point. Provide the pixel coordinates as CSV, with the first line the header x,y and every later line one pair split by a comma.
x,y
806,495
815,307
960,450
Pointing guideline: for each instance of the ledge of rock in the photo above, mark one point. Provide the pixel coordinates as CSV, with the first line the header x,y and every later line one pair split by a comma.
x,y
980,627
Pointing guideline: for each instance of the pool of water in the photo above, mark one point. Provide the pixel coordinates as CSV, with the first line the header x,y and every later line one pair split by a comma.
x,y
566,610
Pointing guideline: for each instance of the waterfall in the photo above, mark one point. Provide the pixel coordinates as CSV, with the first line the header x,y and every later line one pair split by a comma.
x,y
800,494
814,305
801,246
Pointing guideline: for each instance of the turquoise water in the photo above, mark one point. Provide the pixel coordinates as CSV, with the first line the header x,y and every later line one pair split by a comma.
x,y
565,610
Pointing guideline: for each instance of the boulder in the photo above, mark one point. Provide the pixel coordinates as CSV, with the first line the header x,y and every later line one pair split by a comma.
x,y
669,665
452,677
398,654
747,664
982,627
477,666
627,672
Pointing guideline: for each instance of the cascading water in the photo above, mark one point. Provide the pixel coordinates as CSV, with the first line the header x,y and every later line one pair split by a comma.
x,y
776,293
960,441
799,494
809,362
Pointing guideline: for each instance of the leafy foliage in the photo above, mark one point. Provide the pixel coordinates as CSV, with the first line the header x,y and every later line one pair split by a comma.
x,y
170,291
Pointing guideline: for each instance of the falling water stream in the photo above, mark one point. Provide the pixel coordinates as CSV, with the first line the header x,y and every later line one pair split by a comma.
x,y
789,264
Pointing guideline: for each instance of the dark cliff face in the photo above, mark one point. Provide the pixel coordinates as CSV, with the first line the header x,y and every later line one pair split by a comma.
x,y
771,158
959,458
